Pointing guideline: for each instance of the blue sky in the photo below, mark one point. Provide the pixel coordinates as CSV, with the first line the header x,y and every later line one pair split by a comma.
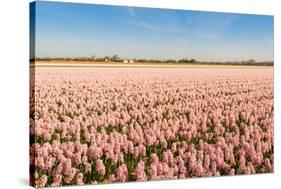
x,y
78,30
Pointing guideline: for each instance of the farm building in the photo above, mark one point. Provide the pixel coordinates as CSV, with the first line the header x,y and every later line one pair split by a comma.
x,y
117,60
123,60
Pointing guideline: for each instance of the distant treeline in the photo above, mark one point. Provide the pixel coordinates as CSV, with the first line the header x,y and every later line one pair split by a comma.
x,y
116,58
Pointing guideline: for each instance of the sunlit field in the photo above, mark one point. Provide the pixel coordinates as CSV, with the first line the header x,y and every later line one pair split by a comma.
x,y
105,125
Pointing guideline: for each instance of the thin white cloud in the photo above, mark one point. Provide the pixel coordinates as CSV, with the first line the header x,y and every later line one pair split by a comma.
x,y
136,20
207,35
143,24
210,30
132,12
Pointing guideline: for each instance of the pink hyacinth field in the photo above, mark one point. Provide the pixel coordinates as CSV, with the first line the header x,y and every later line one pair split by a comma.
x,y
91,125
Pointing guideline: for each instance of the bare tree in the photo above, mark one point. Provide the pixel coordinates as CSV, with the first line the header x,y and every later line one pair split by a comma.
x,y
251,61
115,56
